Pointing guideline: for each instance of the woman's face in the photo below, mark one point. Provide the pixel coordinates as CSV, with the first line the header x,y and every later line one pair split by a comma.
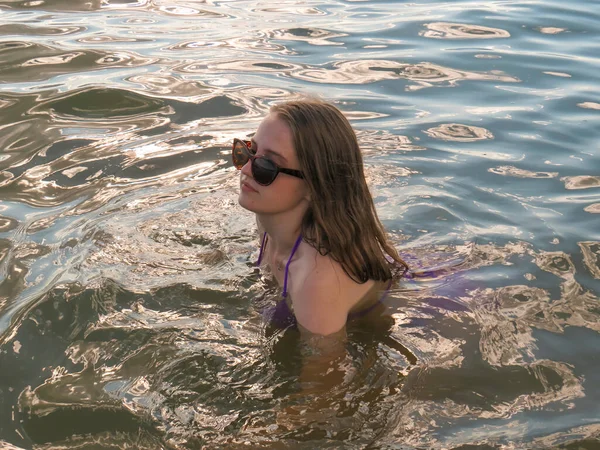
x,y
273,139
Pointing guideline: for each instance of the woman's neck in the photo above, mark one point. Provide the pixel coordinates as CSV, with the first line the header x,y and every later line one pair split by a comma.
x,y
283,230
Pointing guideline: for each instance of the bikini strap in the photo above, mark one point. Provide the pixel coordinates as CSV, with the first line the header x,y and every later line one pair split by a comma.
x,y
285,277
262,248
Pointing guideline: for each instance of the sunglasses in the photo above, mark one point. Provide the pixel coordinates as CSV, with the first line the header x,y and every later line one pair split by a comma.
x,y
264,170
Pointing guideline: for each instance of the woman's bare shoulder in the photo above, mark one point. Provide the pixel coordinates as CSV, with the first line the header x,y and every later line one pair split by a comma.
x,y
322,270
318,305
323,293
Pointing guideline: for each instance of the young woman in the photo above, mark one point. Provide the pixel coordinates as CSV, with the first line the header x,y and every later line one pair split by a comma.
x,y
302,175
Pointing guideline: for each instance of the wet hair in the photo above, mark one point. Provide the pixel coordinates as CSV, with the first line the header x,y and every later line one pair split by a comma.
x,y
341,221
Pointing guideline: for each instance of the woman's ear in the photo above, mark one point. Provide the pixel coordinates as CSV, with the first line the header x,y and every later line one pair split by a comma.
x,y
307,196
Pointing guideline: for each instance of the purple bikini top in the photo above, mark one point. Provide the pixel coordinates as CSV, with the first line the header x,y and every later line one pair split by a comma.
x,y
287,265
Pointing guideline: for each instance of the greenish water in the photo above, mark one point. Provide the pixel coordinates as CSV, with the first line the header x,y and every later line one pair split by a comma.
x,y
130,311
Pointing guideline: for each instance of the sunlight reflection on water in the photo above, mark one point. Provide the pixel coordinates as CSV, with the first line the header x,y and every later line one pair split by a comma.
x,y
130,309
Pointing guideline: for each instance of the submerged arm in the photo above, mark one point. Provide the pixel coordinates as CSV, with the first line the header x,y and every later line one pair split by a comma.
x,y
321,317
325,371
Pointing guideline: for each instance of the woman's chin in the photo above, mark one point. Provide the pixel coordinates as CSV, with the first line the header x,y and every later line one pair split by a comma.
x,y
245,202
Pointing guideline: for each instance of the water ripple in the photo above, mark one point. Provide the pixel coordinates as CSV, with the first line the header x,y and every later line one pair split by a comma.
x,y
589,105
459,133
36,62
313,36
370,71
551,30
130,308
594,208
180,10
581,182
51,5
591,257
25,30
101,39
512,171
442,30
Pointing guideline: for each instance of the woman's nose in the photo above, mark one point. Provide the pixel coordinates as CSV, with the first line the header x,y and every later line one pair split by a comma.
x,y
247,168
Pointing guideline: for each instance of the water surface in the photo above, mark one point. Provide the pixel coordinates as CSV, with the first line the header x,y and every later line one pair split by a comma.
x,y
130,310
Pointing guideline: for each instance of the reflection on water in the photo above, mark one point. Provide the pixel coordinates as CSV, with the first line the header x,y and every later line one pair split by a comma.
x,y
591,257
581,182
131,315
551,30
595,208
441,30
512,171
589,105
458,132
311,36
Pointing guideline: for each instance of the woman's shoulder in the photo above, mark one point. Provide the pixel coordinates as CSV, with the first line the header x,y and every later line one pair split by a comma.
x,y
319,269
316,269
321,285
316,294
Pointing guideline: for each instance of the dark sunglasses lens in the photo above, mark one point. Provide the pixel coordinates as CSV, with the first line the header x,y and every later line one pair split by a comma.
x,y
239,154
264,171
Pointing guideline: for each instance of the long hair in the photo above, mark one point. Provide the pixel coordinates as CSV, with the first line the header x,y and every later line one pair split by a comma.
x,y
341,220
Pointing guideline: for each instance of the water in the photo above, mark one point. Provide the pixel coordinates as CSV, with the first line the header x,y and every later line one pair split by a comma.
x,y
129,307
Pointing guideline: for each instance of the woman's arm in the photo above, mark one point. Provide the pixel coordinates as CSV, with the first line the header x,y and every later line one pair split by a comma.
x,y
324,373
321,358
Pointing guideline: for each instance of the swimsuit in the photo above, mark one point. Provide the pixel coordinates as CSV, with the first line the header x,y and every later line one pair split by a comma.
x,y
281,316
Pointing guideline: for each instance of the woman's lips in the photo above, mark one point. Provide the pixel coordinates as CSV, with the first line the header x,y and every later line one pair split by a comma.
x,y
246,187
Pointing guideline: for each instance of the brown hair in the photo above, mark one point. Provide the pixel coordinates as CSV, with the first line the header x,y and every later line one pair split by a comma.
x,y
341,221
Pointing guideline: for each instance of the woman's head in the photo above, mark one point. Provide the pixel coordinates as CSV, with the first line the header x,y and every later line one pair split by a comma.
x,y
341,219
337,210
262,189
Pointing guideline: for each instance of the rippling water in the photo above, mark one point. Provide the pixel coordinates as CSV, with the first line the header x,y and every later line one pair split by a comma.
x,y
130,312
